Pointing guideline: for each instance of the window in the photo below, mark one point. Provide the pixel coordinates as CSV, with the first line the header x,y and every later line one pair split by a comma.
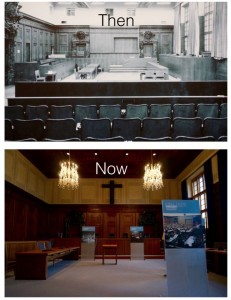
x,y
109,11
199,193
131,12
208,25
186,27
70,12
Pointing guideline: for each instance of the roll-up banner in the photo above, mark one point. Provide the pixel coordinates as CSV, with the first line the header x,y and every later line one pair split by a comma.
x,y
184,239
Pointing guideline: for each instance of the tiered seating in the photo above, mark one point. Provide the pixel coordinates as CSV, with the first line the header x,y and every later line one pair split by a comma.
x,y
61,112
24,129
184,110
155,128
191,127
37,112
110,111
96,128
60,129
129,129
14,112
137,111
178,122
207,110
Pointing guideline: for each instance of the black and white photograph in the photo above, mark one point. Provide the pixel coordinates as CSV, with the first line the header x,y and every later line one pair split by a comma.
x,y
116,71
84,217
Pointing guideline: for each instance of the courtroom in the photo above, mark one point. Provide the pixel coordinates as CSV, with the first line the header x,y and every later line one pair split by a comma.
x,y
116,71
157,230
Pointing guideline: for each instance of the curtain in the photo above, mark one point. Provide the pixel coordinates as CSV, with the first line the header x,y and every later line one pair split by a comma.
x,y
219,45
177,31
193,36
222,172
210,202
184,190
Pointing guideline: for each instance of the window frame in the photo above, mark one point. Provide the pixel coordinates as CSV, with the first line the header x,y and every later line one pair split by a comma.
x,y
200,195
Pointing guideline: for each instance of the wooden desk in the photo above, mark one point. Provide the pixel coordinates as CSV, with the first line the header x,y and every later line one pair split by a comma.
x,y
50,76
87,71
34,264
109,247
217,261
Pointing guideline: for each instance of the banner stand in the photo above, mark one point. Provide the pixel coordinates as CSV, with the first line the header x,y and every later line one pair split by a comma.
x,y
184,235
88,243
137,242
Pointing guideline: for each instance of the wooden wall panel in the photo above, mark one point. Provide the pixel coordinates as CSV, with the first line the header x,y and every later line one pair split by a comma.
x,y
20,221
125,221
96,219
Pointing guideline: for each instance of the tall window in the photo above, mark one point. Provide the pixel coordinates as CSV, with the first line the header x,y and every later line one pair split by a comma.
x,y
70,11
186,26
199,193
208,26
109,11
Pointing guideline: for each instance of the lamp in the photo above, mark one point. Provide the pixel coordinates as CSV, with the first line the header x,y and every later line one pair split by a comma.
x,y
153,177
68,175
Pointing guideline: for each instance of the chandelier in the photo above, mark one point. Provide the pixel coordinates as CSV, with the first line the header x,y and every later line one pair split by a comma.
x,y
68,175
153,177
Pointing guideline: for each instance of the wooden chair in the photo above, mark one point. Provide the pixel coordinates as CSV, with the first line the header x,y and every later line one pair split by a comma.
x,y
38,77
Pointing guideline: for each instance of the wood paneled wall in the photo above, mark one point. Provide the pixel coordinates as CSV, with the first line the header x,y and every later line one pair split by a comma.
x,y
28,218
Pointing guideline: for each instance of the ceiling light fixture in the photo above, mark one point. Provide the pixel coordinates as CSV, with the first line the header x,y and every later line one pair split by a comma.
x,y
153,178
68,175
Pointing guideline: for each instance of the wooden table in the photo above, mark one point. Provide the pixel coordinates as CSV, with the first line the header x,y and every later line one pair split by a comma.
x,y
34,264
106,247
50,76
87,71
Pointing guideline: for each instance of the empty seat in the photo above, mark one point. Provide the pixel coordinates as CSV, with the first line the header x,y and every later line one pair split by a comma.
x,y
60,129
222,139
37,112
110,139
85,111
24,129
184,110
127,128
110,111
96,128
65,140
205,110
215,127
160,111
223,110
61,111
38,77
195,139
191,127
14,112
156,128
8,130
137,111
143,139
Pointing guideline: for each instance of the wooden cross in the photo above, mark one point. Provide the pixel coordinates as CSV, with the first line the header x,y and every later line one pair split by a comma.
x,y
112,186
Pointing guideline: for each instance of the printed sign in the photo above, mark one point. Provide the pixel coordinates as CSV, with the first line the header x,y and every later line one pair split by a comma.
x,y
182,224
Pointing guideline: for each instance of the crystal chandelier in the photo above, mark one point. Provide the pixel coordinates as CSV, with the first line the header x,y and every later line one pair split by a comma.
x,y
153,177
68,175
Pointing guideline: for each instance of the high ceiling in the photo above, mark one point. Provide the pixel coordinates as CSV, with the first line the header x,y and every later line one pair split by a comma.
x,y
134,4
173,161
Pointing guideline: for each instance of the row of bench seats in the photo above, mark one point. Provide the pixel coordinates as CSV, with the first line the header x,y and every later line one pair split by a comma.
x,y
79,112
127,129
12,247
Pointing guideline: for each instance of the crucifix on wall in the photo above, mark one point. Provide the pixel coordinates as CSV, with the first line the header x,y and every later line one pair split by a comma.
x,y
112,186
